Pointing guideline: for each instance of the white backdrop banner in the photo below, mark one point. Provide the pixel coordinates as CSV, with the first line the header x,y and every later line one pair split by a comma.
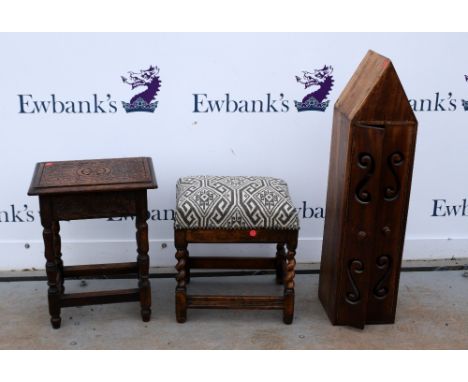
x,y
218,104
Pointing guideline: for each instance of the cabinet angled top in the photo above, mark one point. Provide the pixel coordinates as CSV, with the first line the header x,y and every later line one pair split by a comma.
x,y
375,94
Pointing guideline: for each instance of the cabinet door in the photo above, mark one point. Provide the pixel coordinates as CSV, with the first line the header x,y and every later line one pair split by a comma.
x,y
360,223
396,172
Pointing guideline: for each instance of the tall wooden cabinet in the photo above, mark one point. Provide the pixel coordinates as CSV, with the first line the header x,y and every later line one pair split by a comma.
x,y
369,181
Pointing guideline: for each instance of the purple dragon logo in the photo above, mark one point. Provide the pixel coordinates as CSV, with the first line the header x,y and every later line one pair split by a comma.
x,y
464,102
321,82
143,101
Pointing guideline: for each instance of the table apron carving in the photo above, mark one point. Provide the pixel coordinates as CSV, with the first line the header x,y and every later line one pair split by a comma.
x,y
94,205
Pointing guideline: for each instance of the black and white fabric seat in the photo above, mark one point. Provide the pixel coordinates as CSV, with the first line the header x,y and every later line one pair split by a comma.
x,y
234,202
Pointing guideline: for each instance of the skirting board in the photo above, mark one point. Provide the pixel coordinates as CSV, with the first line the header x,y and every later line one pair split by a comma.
x,y
19,255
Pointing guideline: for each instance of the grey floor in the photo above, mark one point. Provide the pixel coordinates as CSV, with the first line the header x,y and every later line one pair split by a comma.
x,y
432,313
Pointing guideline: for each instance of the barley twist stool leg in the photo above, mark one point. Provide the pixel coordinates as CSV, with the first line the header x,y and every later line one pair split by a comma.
x,y
181,278
187,267
288,312
280,258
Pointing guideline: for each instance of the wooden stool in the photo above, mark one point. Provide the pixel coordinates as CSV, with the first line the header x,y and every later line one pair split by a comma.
x,y
235,209
91,189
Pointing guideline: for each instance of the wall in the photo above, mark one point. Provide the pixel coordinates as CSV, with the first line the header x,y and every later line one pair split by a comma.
x,y
183,136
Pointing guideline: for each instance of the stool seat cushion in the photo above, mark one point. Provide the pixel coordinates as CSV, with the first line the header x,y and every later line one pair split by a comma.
x,y
234,202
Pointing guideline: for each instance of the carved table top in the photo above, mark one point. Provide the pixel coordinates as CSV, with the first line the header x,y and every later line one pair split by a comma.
x,y
119,174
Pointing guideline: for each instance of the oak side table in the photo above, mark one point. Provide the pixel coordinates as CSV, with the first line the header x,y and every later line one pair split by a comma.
x,y
90,189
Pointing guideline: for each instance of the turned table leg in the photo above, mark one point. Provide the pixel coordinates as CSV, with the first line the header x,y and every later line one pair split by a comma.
x,y
143,258
288,312
52,268
58,254
181,278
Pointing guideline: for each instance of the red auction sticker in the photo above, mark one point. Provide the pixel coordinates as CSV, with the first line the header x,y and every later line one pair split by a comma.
x,y
253,233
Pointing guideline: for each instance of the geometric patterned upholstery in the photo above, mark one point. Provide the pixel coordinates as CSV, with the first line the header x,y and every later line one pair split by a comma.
x,y
234,202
